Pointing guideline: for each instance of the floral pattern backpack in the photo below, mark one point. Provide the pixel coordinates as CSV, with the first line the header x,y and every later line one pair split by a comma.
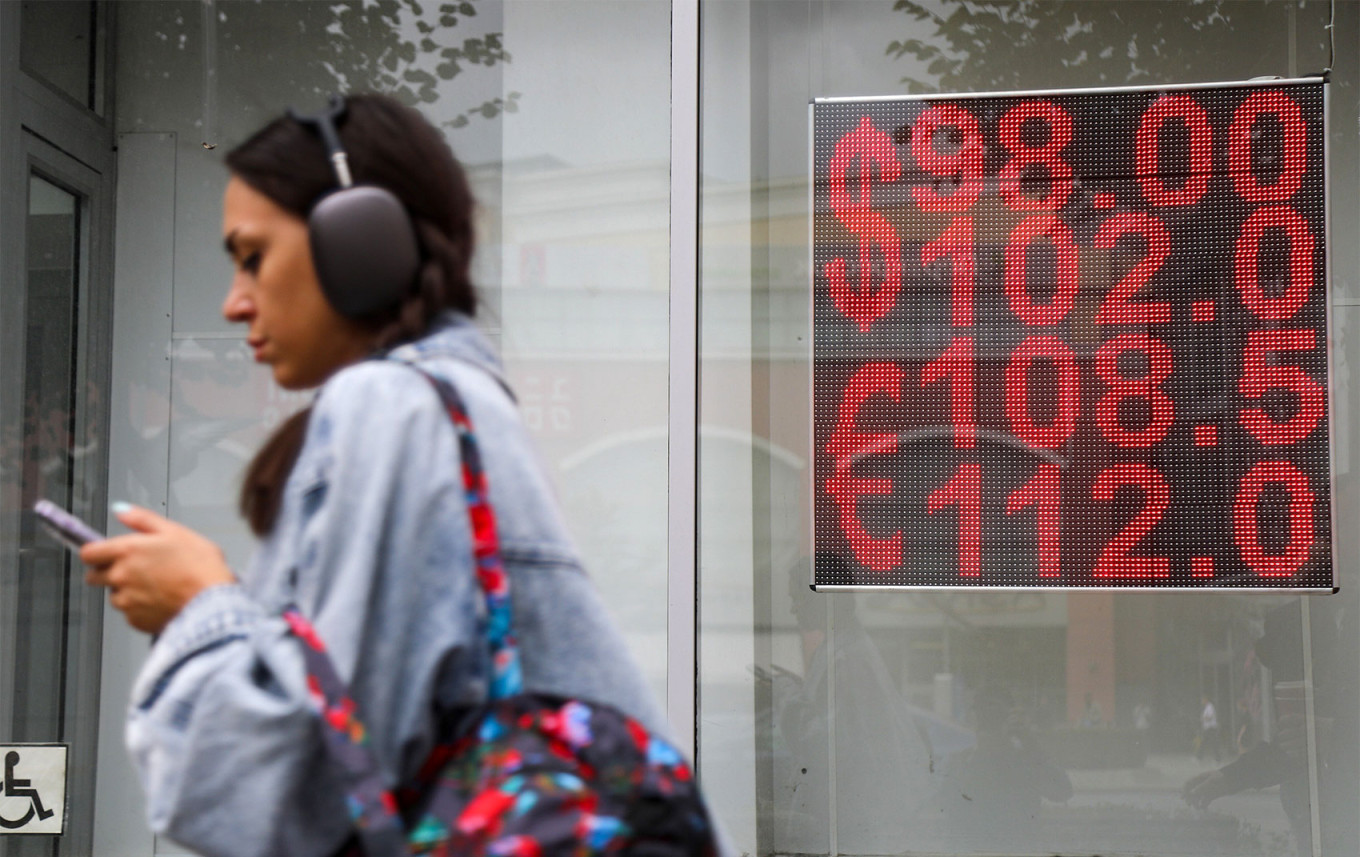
x,y
532,774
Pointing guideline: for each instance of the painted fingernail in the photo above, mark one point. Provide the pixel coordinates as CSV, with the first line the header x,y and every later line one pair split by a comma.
x,y
120,507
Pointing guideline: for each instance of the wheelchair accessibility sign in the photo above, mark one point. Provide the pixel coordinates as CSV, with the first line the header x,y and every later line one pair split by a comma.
x,y
33,788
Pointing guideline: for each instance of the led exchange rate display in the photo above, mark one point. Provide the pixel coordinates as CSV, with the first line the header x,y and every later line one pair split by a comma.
x,y
1072,339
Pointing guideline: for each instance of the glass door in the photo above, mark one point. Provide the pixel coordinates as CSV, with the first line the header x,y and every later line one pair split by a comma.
x,y
1015,721
52,430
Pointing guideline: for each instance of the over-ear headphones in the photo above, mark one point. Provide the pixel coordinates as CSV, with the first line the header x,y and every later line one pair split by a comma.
x,y
363,242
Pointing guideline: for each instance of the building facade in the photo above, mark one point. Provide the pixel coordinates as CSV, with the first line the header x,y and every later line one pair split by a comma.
x,y
642,170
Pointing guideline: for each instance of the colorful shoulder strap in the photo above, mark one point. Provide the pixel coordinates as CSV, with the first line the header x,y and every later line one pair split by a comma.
x,y
371,805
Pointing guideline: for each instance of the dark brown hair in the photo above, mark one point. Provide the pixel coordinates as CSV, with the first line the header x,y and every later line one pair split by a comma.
x,y
392,146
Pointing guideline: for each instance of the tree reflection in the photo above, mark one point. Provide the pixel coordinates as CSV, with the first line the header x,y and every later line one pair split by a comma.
x,y
405,48
397,66
1017,45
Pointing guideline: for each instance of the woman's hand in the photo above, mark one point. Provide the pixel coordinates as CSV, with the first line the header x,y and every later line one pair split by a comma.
x,y
154,571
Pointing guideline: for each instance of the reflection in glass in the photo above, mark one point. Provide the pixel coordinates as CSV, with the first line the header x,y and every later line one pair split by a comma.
x,y
1054,722
222,408
572,256
1032,45
51,443
840,705
58,44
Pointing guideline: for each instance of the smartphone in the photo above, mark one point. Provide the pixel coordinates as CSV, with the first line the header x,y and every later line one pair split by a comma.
x,y
65,527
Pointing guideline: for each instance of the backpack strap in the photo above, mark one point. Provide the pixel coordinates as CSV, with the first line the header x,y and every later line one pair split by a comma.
x,y
372,808
371,804
506,677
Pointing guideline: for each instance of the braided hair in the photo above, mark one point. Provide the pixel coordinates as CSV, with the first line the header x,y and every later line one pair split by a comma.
x,y
392,146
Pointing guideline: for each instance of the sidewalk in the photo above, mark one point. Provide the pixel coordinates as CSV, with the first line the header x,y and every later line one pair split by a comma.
x,y
1139,810
1162,772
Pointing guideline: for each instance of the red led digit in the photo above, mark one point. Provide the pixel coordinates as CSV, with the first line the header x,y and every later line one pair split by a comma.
x,y
1295,145
848,444
1260,374
1059,126
963,166
956,364
1064,422
1144,386
1247,264
956,244
1030,230
1041,492
865,304
1117,308
1246,530
964,491
1114,560
1147,156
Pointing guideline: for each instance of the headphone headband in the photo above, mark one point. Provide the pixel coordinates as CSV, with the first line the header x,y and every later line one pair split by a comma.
x,y
324,125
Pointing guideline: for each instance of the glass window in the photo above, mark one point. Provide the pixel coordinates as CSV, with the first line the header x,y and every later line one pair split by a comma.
x,y
49,413
1008,722
584,273
572,259
60,44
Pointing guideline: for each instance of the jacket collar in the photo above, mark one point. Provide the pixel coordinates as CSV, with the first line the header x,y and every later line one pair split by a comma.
x,y
454,336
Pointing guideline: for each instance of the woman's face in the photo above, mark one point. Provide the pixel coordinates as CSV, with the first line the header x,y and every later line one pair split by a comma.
x,y
276,293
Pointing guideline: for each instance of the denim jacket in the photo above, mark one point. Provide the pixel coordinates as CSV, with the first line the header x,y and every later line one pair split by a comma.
x,y
372,544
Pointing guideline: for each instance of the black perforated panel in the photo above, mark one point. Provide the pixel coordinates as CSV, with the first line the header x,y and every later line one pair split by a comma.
x,y
1072,339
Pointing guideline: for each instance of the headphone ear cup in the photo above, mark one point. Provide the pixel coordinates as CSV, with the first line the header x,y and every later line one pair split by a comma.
x,y
364,249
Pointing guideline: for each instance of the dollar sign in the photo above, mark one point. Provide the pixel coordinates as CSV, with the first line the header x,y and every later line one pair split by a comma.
x,y
869,146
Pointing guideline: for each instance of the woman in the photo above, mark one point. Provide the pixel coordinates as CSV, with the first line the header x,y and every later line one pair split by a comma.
x,y
360,510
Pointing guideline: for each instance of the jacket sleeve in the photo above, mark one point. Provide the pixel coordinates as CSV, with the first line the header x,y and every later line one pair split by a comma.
x,y
221,727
